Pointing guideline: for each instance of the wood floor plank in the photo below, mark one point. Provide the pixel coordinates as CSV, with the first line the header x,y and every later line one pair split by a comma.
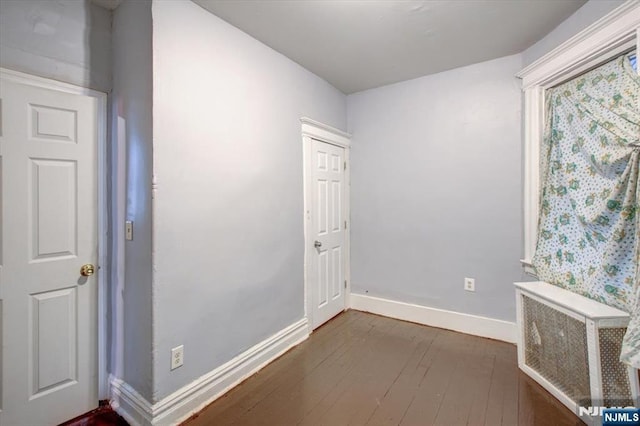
x,y
330,404
537,407
373,377
365,369
397,399
457,401
506,360
481,379
429,395
327,341
498,387
297,392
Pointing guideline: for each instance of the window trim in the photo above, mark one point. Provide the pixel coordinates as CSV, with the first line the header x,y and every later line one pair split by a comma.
x,y
611,35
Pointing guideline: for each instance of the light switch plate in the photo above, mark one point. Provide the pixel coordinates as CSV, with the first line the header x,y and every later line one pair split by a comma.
x,y
128,230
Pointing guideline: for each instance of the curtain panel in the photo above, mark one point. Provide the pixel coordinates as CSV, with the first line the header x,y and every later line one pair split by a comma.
x,y
589,228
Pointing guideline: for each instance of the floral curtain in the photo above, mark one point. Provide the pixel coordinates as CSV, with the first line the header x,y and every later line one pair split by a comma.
x,y
589,229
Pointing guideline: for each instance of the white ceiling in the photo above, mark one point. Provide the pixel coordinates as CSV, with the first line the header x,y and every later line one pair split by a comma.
x,y
360,44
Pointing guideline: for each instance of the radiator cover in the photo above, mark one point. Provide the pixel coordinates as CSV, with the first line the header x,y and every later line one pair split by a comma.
x,y
571,345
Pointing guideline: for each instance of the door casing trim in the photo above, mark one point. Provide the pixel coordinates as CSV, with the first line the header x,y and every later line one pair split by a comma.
x,y
311,130
103,225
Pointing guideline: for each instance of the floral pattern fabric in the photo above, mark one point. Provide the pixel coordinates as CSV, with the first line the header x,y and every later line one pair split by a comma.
x,y
589,228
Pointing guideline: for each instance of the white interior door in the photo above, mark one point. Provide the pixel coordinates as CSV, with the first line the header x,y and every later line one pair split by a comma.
x,y
327,279
48,228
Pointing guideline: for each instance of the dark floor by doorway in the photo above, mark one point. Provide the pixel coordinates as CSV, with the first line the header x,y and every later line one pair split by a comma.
x,y
101,416
362,369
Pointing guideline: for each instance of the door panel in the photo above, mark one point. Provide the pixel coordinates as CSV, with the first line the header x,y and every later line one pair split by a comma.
x,y
53,124
48,146
323,276
328,298
53,341
52,195
336,279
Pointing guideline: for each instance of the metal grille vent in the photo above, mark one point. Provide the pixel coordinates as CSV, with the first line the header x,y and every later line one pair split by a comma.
x,y
556,347
615,379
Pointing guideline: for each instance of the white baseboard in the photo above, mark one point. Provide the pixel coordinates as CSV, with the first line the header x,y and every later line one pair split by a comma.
x,y
464,323
193,397
127,402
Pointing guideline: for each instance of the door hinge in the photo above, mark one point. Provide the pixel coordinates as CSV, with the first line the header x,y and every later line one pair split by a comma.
x,y
345,165
345,283
345,224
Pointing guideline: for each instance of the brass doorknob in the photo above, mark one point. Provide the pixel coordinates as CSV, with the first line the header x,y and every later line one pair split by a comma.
x,y
87,270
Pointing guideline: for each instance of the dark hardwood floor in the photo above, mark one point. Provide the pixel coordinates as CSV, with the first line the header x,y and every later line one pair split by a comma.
x,y
101,416
362,369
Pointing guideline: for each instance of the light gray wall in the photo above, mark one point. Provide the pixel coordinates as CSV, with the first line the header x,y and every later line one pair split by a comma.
x,y
229,249
131,180
581,19
437,189
66,40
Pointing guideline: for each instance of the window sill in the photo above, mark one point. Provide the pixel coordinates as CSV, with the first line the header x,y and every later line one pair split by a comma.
x,y
528,267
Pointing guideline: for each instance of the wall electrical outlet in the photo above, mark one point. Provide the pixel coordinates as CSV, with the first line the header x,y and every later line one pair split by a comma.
x,y
470,284
177,357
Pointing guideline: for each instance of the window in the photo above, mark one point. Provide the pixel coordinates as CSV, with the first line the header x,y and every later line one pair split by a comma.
x,y
612,35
